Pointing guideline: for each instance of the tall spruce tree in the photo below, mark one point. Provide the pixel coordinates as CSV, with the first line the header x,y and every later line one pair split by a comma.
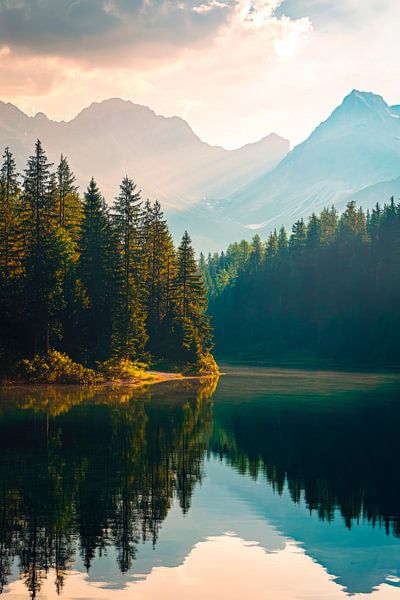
x,y
257,252
194,330
130,335
10,257
98,270
69,214
160,272
272,249
46,251
9,209
69,205
299,235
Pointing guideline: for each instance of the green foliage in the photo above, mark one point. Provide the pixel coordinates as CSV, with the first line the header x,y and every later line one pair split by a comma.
x,y
220,271
129,333
206,364
98,270
331,293
191,328
115,369
55,367
92,281
9,209
160,271
69,205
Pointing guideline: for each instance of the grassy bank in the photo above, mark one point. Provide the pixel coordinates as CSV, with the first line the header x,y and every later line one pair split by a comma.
x,y
58,368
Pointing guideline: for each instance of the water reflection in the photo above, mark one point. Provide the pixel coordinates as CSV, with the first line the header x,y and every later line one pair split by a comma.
x,y
93,470
338,449
88,478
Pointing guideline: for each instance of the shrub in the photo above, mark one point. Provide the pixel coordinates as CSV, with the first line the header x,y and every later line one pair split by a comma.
x,y
205,365
56,367
115,369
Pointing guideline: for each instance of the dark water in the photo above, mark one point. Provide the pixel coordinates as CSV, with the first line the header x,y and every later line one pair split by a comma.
x,y
266,484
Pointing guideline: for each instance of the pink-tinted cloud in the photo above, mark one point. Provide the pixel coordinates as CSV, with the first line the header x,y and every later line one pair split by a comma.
x,y
235,69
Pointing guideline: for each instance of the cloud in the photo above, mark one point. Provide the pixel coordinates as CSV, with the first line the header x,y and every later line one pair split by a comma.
x,y
98,32
235,69
28,75
137,40
208,6
93,29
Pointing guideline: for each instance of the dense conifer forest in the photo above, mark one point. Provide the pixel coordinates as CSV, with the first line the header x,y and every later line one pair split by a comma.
x,y
328,291
101,283
95,282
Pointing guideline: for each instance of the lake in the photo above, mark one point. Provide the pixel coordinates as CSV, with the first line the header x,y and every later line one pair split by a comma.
x,y
269,483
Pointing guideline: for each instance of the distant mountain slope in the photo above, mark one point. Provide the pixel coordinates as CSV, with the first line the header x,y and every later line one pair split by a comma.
x,y
358,146
378,192
221,195
166,158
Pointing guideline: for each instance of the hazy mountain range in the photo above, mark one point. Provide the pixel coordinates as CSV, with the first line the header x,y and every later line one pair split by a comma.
x,y
221,195
163,155
354,154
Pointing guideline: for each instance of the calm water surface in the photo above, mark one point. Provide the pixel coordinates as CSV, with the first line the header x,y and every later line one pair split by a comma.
x,y
267,484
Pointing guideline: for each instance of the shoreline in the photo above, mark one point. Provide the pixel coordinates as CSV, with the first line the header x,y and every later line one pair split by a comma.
x,y
150,378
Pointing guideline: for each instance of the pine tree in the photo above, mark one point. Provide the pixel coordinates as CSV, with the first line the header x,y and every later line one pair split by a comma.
x,y
69,214
272,246
98,271
299,235
129,325
194,333
46,251
159,262
9,207
282,241
256,254
38,188
328,225
10,259
69,204
352,224
159,267
313,232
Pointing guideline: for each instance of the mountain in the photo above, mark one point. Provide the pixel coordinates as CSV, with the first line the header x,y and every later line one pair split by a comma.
x,y
371,194
355,151
221,195
163,155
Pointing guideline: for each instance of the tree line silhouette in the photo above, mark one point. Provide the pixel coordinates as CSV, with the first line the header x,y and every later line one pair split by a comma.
x,y
328,291
91,280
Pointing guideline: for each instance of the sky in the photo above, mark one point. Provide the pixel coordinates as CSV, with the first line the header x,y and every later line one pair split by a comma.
x,y
234,69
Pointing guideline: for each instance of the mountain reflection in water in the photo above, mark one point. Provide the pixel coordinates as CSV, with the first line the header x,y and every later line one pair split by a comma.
x,y
94,483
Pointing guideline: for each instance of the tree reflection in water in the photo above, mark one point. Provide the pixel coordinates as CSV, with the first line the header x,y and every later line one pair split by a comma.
x,y
85,470
82,470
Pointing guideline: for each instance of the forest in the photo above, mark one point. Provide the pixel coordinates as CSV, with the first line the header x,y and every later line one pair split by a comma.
x,y
327,293
98,284
95,283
